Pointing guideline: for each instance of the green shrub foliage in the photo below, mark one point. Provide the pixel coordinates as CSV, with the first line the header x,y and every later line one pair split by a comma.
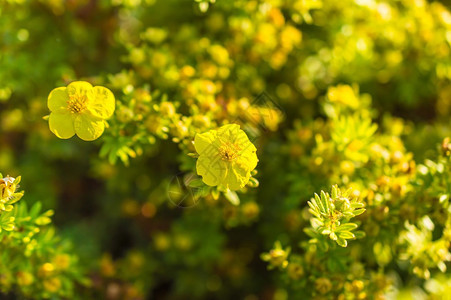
x,y
335,185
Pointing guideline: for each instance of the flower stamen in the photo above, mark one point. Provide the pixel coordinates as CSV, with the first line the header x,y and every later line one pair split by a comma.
x,y
77,103
229,151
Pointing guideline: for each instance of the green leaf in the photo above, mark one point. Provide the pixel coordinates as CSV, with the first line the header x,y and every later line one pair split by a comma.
x,y
358,211
357,205
196,183
200,193
35,209
342,242
104,150
313,206
359,234
346,235
49,213
310,232
43,221
325,202
8,227
315,213
326,231
334,191
333,236
346,227
320,205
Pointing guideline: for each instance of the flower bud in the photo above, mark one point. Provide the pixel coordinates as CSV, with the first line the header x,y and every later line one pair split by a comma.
x,y
323,285
446,147
24,278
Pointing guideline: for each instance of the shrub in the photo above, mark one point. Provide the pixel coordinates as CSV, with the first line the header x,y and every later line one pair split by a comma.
x,y
228,149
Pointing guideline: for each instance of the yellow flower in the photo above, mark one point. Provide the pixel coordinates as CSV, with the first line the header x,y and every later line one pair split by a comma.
x,y
226,157
7,187
52,284
80,109
343,94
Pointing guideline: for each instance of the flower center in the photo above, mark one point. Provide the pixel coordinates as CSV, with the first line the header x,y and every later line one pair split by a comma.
x,y
229,151
77,103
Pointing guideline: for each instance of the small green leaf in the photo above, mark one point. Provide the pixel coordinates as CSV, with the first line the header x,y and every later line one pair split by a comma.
x,y
313,206
35,209
346,227
310,232
104,150
196,183
334,191
325,202
315,213
333,236
357,205
346,235
49,213
8,227
43,221
358,211
359,234
326,231
342,242
319,203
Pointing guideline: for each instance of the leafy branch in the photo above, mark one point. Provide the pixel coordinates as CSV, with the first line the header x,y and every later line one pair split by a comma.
x,y
332,214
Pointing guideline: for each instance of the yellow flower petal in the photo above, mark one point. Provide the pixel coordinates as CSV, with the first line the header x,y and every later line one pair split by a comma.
x,y
103,102
248,157
80,88
211,169
204,143
57,99
236,178
230,132
61,123
88,127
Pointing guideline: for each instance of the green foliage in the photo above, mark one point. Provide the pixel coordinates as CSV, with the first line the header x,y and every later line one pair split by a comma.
x,y
34,261
332,214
